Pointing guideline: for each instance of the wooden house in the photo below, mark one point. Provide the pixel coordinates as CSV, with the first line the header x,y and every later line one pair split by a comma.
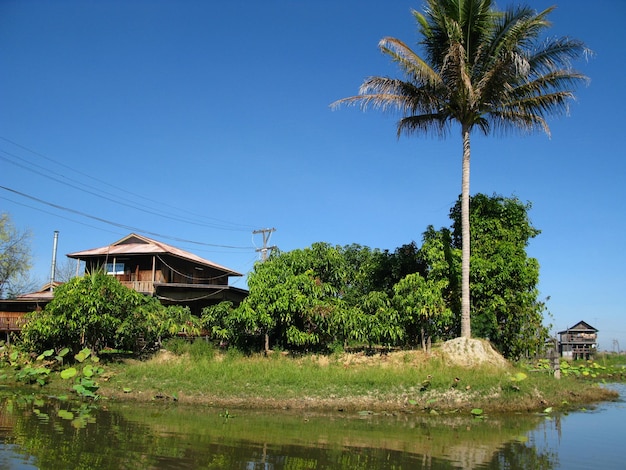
x,y
13,311
578,342
174,276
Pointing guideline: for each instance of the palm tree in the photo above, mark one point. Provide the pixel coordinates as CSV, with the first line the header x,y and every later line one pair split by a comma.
x,y
482,69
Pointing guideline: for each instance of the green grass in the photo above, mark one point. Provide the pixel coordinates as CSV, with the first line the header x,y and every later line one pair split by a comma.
x,y
346,382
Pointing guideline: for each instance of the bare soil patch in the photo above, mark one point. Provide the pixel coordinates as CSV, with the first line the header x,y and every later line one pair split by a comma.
x,y
466,352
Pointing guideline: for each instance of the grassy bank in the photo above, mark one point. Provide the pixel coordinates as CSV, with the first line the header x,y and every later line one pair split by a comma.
x,y
411,381
402,381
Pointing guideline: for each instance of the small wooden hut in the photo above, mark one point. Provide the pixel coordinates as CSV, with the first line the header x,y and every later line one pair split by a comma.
x,y
578,342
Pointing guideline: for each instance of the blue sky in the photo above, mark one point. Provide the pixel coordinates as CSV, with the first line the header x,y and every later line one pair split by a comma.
x,y
197,123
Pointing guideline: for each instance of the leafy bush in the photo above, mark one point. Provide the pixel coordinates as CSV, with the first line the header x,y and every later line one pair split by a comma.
x,y
96,312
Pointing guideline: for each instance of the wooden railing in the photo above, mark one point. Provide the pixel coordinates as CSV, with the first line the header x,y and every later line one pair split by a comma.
x,y
140,286
11,322
578,339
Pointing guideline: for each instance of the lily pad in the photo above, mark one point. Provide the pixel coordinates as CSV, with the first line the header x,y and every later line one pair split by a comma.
x,y
64,414
68,373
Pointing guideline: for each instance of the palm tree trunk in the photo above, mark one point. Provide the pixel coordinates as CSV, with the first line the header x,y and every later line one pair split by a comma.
x,y
465,232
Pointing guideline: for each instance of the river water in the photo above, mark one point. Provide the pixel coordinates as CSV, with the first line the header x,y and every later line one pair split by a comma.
x,y
45,433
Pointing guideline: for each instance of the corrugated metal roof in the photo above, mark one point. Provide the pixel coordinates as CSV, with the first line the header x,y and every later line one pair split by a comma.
x,y
134,244
48,295
45,293
580,326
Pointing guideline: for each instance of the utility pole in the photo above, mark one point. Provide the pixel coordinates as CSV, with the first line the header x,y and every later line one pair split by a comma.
x,y
53,268
267,233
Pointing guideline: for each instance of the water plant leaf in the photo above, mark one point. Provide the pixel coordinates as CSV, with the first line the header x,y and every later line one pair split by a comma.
x,y
40,415
127,390
63,352
83,354
477,411
64,414
84,391
68,373
47,353
548,410
226,415
519,377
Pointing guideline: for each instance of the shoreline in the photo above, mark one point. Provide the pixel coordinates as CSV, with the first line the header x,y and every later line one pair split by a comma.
x,y
467,378
459,404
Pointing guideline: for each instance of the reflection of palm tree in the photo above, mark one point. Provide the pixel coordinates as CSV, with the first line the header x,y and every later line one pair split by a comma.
x,y
482,69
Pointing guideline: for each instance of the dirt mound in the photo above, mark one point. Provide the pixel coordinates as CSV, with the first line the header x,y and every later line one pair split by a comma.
x,y
471,352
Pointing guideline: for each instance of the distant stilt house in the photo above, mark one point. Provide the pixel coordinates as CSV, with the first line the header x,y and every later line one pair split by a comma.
x,y
172,275
578,342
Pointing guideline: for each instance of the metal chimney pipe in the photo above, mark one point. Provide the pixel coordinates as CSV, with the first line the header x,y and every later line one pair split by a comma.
x,y
54,259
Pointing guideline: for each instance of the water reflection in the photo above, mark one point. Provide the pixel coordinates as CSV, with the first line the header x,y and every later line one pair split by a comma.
x,y
592,438
54,434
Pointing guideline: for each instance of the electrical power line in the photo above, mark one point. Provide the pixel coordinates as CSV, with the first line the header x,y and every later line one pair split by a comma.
x,y
113,197
116,224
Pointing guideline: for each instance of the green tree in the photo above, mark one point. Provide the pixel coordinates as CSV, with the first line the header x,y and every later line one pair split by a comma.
x,y
95,311
505,304
481,69
504,279
293,297
376,270
313,298
15,258
442,264
422,308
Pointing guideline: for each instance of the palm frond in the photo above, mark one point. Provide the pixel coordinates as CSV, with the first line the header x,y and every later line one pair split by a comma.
x,y
435,123
513,31
556,53
511,121
413,65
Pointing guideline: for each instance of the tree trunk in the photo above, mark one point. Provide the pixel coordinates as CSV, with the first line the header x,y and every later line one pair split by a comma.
x,y
465,230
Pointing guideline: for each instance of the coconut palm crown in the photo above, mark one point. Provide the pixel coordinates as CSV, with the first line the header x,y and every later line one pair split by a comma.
x,y
481,68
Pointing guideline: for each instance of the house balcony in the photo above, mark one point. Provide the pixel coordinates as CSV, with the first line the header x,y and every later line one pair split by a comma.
x,y
145,287
11,321
578,339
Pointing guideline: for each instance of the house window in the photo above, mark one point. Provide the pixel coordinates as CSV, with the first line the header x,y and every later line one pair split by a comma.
x,y
115,268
